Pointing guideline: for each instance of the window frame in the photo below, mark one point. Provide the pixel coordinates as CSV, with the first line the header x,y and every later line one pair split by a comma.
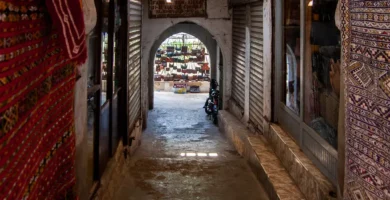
x,y
294,124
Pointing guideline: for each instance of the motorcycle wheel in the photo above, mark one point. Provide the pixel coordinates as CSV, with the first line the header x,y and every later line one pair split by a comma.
x,y
206,108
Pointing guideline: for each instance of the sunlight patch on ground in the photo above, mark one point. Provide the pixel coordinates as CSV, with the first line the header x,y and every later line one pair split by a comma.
x,y
199,154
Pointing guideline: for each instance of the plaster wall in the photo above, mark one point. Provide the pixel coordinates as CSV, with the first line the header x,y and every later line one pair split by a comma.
x,y
80,112
81,116
218,24
80,109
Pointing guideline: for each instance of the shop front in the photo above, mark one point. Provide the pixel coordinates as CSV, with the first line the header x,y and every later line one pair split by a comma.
x,y
307,78
107,85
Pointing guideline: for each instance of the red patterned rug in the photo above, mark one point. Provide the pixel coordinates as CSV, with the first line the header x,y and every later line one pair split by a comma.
x,y
366,48
38,56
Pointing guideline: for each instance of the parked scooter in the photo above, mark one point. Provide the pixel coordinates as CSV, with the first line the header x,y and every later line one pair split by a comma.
x,y
211,104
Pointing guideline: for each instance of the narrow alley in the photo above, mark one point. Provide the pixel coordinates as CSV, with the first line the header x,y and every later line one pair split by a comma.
x,y
210,169
106,99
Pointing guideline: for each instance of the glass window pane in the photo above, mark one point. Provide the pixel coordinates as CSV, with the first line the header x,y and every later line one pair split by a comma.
x,y
117,51
104,69
292,54
117,60
322,70
104,64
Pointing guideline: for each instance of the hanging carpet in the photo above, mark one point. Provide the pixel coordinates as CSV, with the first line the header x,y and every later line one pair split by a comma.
x,y
366,48
41,42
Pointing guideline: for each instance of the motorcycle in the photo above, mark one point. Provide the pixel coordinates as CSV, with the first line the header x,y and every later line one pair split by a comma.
x,y
211,104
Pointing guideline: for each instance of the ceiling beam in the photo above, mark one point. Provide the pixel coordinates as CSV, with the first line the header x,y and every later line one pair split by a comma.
x,y
241,2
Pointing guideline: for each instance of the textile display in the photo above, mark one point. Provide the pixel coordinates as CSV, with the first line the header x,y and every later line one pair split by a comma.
x,y
366,48
38,58
68,16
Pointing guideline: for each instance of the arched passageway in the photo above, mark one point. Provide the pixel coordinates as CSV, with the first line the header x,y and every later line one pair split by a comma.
x,y
190,28
183,154
182,59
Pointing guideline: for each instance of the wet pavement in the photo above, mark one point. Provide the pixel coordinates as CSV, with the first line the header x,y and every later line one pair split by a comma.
x,y
184,156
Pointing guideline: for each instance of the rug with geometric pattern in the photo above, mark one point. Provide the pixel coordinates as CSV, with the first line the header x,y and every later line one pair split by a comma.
x,y
366,48
37,78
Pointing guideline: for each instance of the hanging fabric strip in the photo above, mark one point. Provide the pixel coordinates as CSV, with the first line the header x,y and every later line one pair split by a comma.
x,y
68,16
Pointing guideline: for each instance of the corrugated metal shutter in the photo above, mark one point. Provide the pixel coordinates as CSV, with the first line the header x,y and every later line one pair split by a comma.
x,y
256,66
238,71
134,64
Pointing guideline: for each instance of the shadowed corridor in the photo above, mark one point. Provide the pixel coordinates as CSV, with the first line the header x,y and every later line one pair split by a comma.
x,y
184,156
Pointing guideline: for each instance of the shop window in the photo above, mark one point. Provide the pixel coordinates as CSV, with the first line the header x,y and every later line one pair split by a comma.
x,y
104,57
117,50
117,63
104,70
106,73
292,50
322,72
321,66
308,77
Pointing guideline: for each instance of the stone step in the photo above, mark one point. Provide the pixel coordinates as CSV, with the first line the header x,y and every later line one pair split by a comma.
x,y
261,157
313,184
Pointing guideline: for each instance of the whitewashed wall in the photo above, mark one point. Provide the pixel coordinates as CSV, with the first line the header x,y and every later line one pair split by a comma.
x,y
80,108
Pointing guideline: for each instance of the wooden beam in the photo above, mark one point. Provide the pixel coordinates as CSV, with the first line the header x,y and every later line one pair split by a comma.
x,y
241,2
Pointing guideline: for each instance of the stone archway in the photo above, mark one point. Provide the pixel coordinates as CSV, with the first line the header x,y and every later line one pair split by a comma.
x,y
190,28
219,29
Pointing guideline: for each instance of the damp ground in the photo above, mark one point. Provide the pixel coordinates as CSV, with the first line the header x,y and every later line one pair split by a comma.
x,y
184,156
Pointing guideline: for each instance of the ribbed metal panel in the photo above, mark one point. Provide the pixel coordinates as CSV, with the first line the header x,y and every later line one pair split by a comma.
x,y
256,66
134,63
238,58
321,153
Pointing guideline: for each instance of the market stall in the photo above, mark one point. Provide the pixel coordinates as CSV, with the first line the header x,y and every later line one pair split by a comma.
x,y
182,58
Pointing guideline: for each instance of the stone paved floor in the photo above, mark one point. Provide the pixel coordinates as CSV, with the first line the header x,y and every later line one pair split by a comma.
x,y
178,126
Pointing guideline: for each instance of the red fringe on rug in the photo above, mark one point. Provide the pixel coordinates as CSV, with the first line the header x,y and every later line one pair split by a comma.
x,y
38,57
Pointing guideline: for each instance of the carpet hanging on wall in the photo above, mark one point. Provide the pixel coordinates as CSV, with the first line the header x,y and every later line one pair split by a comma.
x,y
366,48
41,43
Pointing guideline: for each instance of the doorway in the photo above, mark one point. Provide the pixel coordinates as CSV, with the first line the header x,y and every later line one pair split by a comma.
x,y
182,66
204,37
183,155
106,87
182,59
